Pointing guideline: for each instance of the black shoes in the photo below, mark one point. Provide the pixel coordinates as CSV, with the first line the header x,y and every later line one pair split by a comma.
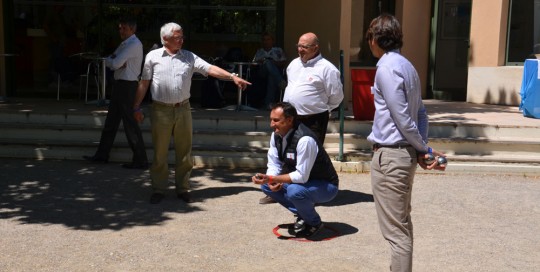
x,y
156,198
143,166
186,197
299,224
95,159
266,200
309,231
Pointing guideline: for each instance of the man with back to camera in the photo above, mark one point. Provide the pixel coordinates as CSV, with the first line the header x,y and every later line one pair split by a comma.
x,y
168,72
399,137
300,173
126,63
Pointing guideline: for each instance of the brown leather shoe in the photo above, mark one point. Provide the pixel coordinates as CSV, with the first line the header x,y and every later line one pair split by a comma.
x,y
186,197
266,200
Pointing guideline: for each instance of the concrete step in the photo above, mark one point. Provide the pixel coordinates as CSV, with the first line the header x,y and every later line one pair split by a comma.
x,y
499,148
240,139
260,122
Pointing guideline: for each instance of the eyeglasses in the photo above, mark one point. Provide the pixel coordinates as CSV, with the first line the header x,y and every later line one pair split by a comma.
x,y
308,46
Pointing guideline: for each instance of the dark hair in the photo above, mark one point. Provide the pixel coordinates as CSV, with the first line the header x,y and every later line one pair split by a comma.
x,y
385,30
129,21
288,109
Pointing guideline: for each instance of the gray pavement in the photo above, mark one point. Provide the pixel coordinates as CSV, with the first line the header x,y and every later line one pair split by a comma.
x,y
74,216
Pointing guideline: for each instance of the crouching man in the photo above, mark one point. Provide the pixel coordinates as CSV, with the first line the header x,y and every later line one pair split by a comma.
x,y
300,173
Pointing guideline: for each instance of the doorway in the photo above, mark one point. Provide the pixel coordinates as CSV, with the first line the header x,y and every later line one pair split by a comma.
x,y
451,50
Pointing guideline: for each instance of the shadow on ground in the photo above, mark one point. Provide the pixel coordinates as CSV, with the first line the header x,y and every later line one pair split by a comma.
x,y
95,197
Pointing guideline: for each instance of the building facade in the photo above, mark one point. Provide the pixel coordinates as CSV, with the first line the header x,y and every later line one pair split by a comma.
x,y
464,50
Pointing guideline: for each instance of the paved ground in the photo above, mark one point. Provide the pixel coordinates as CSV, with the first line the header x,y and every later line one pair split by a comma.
x,y
73,216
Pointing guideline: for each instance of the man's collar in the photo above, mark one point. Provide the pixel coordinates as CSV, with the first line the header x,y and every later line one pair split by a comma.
x,y
313,60
166,53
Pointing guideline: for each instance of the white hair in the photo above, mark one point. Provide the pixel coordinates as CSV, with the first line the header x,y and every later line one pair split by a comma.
x,y
167,31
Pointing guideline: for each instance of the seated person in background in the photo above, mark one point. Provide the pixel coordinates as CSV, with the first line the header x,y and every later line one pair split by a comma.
x,y
271,62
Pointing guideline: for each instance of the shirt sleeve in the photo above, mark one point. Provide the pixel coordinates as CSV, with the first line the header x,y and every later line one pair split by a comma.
x,y
122,54
306,153
423,124
148,69
258,55
280,54
274,165
200,66
334,88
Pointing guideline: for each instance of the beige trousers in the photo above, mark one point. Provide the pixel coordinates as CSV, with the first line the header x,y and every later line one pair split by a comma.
x,y
392,175
172,121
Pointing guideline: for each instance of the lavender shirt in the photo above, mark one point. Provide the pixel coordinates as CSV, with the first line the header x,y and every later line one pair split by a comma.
x,y
400,115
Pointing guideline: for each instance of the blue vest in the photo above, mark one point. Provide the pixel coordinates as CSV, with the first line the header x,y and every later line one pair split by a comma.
x,y
322,168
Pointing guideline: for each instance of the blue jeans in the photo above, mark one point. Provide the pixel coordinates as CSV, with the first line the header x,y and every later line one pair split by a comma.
x,y
300,199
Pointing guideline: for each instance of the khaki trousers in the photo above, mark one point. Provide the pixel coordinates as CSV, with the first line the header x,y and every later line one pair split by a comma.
x,y
392,175
172,121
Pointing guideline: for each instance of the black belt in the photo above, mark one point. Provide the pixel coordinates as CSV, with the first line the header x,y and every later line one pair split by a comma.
x,y
396,146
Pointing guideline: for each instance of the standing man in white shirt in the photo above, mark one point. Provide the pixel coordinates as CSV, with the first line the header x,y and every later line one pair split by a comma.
x,y
168,72
126,63
314,86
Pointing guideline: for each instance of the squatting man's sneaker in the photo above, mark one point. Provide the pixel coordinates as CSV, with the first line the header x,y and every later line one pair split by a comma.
x,y
299,224
266,200
309,231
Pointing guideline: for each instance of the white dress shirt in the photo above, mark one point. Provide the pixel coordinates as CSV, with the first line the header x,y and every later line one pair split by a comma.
x,y
171,74
306,154
313,87
127,60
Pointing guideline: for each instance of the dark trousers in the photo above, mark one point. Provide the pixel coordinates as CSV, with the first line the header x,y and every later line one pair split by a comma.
x,y
318,123
121,109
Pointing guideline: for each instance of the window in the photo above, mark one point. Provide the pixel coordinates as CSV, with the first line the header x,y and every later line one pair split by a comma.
x,y
57,30
367,10
523,30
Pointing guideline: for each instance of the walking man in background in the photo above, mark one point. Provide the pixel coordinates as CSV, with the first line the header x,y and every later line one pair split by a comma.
x,y
126,63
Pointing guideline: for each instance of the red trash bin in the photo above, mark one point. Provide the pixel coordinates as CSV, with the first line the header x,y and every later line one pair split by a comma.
x,y
363,105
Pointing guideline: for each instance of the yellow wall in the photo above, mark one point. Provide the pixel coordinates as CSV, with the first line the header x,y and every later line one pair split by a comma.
x,y
489,81
330,20
322,18
415,18
333,22
488,33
